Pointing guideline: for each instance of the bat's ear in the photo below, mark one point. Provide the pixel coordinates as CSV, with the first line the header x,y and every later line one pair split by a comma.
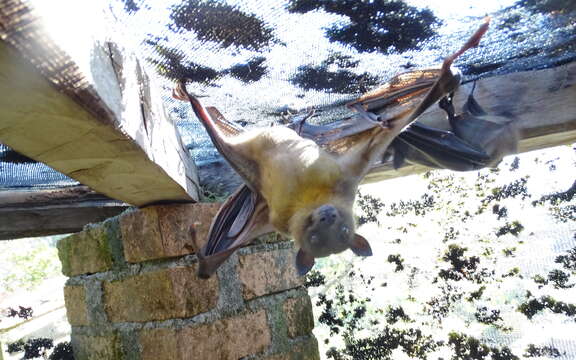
x,y
360,246
304,262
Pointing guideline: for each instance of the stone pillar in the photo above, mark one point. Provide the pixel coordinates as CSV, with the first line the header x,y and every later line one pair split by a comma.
x,y
133,293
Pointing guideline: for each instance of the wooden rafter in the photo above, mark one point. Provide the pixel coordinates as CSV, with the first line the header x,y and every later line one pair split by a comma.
x,y
28,213
109,131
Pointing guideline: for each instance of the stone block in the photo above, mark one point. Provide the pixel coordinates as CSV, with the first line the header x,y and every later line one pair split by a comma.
x,y
75,300
230,338
104,347
86,252
268,272
162,231
299,316
302,350
160,295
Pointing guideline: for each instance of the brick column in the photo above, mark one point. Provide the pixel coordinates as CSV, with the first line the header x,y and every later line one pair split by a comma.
x,y
133,293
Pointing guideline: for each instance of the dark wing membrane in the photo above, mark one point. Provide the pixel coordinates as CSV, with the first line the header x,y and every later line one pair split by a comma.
x,y
399,102
242,218
398,89
422,88
219,130
437,148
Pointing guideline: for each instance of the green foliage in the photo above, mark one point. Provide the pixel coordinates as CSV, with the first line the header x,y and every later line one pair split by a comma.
x,y
412,341
557,204
536,305
396,259
469,348
419,208
370,207
513,228
462,267
395,314
30,266
32,348
568,261
314,279
486,316
62,351
538,351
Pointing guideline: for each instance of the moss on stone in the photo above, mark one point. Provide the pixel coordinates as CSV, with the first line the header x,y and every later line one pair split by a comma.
x,y
85,252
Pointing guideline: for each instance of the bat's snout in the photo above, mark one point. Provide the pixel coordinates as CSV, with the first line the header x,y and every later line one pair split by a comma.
x,y
327,214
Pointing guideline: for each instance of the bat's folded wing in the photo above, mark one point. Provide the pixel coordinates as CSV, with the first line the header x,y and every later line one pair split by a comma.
x,y
242,218
438,149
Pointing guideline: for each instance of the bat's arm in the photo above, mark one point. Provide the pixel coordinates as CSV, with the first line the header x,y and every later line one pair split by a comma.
x,y
245,167
372,148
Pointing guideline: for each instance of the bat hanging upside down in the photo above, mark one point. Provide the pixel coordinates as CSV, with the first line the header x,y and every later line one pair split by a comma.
x,y
305,188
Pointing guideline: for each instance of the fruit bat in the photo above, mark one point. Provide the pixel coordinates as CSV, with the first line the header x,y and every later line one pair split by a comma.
x,y
303,183
477,139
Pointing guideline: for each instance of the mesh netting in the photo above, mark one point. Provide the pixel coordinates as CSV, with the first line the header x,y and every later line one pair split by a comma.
x,y
260,62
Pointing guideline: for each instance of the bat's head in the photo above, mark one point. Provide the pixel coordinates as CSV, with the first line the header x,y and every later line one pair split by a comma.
x,y
326,230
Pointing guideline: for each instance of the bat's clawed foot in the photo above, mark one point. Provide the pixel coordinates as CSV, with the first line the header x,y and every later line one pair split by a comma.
x,y
179,92
300,123
447,105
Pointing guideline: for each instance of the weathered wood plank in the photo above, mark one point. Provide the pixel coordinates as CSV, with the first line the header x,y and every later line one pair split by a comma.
x,y
27,213
108,129
542,102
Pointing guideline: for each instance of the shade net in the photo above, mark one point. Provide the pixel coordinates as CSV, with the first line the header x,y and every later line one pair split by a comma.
x,y
263,62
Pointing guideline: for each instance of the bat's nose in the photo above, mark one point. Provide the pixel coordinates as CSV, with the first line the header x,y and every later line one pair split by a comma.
x,y
327,214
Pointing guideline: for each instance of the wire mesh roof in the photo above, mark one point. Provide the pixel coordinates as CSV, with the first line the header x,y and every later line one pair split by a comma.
x,y
261,62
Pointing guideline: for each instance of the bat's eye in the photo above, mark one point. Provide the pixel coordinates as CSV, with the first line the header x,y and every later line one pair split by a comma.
x,y
345,230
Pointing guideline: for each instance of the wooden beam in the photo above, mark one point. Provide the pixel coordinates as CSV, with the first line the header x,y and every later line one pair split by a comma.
x,y
543,103
28,213
104,125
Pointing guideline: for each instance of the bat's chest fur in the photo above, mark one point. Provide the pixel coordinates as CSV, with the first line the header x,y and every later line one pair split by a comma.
x,y
295,174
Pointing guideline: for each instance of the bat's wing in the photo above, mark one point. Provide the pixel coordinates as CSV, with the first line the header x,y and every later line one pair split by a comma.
x,y
397,104
219,131
498,135
438,149
398,98
242,217
478,139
